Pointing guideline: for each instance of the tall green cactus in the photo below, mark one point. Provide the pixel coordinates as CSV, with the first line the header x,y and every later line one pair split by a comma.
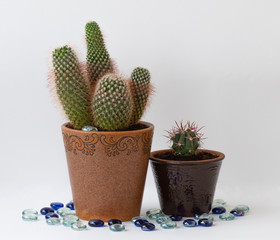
x,y
140,88
71,87
186,139
98,59
112,103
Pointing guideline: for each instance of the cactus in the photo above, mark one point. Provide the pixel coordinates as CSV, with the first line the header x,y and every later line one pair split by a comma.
x,y
98,59
140,88
112,103
71,87
102,97
186,139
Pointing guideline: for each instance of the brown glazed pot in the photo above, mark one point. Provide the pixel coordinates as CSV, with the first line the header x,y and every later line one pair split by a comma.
x,y
186,187
107,171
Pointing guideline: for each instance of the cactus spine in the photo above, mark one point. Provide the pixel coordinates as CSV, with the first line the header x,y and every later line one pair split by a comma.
x,y
98,59
140,88
186,139
71,87
112,103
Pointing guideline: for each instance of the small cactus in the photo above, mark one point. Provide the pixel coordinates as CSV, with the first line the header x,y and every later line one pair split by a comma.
x,y
71,88
140,88
98,59
112,103
186,139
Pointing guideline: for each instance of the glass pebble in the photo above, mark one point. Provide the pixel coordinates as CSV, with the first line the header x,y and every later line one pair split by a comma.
x,y
148,226
155,216
189,223
114,221
218,210
56,205
176,217
219,202
53,221
117,227
140,222
96,223
46,210
227,217
30,217
89,128
206,216
136,218
79,226
244,208
70,205
204,222
29,211
163,219
153,211
49,215
197,214
64,211
69,220
237,212
169,225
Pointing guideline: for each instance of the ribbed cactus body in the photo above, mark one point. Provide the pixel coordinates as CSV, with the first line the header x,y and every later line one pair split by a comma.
x,y
112,103
140,88
98,59
71,87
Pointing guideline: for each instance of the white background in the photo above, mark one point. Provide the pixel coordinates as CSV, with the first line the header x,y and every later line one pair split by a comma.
x,y
215,62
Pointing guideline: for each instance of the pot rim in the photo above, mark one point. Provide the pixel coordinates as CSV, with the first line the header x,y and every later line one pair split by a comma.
x,y
148,127
220,157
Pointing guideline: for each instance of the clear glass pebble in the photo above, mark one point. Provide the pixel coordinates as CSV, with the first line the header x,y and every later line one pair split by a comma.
x,y
163,219
79,226
227,217
244,208
153,211
168,225
117,227
64,211
29,211
53,221
219,202
30,217
89,128
69,220
206,216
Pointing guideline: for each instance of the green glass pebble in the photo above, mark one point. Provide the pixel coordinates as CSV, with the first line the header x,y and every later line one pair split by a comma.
x,y
117,227
53,221
69,220
89,128
29,211
168,225
219,202
136,218
227,217
242,207
79,226
64,211
206,216
30,217
163,219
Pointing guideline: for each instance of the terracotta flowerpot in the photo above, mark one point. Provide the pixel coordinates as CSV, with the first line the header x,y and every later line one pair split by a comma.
x,y
107,171
186,187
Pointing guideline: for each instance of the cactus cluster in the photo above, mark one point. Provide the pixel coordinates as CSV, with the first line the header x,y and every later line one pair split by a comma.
x,y
96,94
185,138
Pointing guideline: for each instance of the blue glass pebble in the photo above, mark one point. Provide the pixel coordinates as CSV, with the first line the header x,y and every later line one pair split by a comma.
x,y
49,215
237,212
114,221
204,222
218,210
206,216
136,218
70,205
148,226
140,222
56,205
198,214
176,217
117,227
189,223
96,223
46,210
